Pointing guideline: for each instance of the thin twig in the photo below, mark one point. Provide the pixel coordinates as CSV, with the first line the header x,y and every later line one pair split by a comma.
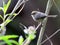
x,y
15,8
19,3
49,40
38,25
19,11
48,7
51,36
23,25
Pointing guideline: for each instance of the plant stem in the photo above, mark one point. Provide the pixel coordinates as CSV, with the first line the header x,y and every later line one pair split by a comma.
x,y
19,11
15,8
26,42
9,19
48,7
19,3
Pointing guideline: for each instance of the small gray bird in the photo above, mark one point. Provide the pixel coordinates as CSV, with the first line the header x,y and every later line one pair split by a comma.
x,y
39,16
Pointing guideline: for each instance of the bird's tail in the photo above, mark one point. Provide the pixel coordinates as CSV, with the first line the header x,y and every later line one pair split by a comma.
x,y
52,16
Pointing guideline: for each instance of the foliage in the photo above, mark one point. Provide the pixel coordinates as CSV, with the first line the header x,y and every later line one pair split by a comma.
x,y
6,39
30,31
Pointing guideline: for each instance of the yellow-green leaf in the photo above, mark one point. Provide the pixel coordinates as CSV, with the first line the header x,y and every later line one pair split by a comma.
x,y
5,6
8,37
1,17
14,14
31,36
1,8
21,40
14,42
6,22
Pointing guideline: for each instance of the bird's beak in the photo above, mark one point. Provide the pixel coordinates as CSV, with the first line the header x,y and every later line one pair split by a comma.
x,y
33,12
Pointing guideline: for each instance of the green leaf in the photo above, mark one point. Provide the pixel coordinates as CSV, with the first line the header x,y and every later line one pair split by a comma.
x,y
14,14
5,6
1,17
8,37
7,15
21,40
10,42
6,22
14,42
31,36
1,8
7,42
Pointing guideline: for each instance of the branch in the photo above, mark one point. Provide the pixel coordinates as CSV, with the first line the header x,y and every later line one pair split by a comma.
x,y
48,7
51,36
11,17
19,3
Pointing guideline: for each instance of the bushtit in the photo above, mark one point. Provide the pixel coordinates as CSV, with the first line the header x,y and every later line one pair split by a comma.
x,y
39,16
